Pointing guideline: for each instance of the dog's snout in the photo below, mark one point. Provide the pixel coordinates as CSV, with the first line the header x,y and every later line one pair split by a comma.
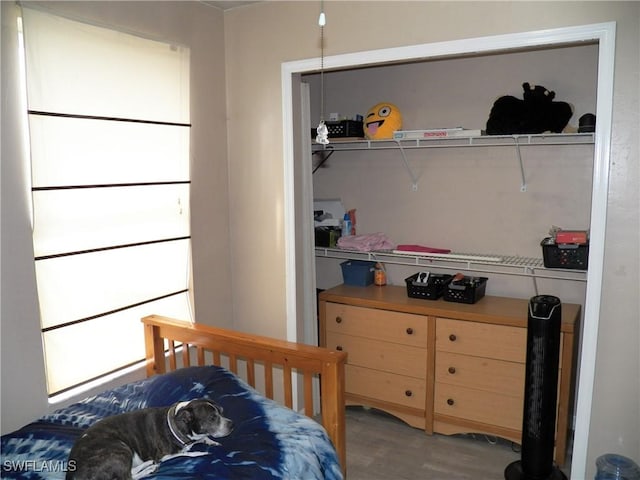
x,y
226,426
229,424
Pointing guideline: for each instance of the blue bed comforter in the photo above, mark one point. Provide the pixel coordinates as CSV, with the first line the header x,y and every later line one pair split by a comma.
x,y
269,441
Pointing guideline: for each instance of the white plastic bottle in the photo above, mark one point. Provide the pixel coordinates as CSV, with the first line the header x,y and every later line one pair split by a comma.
x,y
346,225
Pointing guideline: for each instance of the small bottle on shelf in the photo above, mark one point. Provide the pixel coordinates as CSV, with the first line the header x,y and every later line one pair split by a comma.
x,y
379,275
346,225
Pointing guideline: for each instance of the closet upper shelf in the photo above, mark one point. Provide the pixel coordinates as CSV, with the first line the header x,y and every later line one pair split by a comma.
x,y
516,141
345,144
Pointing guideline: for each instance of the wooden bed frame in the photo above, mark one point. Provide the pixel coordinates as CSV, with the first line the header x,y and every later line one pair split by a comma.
x,y
209,346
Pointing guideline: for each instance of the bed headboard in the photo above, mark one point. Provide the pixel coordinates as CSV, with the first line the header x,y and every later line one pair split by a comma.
x,y
205,345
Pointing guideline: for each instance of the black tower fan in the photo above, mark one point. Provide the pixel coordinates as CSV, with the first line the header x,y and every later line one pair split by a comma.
x,y
540,393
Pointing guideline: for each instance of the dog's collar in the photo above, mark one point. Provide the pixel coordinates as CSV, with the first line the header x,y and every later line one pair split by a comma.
x,y
183,440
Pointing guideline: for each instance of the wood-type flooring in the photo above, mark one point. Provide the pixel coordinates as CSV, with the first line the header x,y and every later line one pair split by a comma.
x,y
381,447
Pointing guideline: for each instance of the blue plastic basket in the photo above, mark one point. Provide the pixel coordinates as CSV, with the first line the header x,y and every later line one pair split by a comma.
x,y
358,272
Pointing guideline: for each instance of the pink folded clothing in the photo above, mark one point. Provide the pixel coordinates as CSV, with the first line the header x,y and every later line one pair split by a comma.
x,y
420,248
366,243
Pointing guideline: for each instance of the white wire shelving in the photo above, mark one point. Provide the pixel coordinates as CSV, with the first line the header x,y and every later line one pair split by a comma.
x,y
515,141
480,263
342,144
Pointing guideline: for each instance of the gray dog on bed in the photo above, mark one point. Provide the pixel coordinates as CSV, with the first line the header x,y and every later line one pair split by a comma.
x,y
111,448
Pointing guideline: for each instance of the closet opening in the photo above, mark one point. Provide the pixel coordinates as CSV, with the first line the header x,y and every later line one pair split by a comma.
x,y
301,281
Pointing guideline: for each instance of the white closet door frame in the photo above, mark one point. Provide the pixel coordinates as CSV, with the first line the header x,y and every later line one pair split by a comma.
x,y
602,33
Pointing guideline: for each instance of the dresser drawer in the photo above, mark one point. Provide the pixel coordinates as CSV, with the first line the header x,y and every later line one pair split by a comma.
x,y
479,373
379,355
403,328
481,339
479,406
386,387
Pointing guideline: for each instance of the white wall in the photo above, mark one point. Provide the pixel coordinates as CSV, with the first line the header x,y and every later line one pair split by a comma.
x,y
190,23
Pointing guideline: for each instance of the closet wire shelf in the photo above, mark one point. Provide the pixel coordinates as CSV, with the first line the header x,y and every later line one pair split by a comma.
x,y
481,263
340,144
516,141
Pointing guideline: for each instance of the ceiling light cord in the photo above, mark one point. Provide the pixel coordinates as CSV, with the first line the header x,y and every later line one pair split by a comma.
x,y
322,130
321,71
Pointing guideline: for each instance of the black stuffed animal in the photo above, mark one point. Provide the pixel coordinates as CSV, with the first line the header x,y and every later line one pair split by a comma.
x,y
536,113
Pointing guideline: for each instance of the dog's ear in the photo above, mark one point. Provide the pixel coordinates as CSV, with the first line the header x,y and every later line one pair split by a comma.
x,y
184,416
214,405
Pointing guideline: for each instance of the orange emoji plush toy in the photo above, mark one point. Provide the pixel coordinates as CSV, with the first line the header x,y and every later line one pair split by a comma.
x,y
381,121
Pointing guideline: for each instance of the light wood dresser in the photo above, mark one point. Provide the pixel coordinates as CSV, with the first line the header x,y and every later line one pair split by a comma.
x,y
440,366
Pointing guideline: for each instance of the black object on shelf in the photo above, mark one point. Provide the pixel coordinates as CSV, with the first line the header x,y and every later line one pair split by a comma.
x,y
540,393
327,236
571,256
466,290
433,289
587,123
342,129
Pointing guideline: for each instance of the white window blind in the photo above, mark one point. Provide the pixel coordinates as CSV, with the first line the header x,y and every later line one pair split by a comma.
x,y
109,135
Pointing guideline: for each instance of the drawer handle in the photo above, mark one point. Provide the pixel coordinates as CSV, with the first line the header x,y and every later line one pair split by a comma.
x,y
450,401
452,337
339,348
408,393
409,331
452,370
338,319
